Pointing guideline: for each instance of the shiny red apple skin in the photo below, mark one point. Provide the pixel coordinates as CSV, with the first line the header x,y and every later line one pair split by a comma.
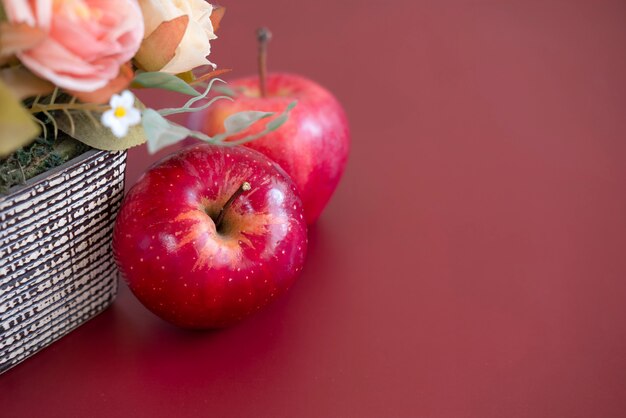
x,y
167,248
312,146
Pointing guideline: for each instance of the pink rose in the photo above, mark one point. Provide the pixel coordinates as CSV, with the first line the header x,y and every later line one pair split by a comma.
x,y
86,42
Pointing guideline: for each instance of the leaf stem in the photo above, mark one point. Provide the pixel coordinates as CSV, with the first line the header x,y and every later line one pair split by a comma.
x,y
39,107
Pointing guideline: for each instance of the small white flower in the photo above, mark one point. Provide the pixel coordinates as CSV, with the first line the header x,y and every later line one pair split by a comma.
x,y
122,114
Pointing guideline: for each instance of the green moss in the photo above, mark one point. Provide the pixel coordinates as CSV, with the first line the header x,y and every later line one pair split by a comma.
x,y
41,155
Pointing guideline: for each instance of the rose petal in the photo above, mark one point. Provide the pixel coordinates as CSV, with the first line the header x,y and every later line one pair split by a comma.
x,y
80,42
19,11
69,82
160,47
103,95
216,16
18,37
192,51
157,11
43,11
58,58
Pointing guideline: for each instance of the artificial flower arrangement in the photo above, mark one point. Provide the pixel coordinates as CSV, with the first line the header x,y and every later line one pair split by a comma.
x,y
66,66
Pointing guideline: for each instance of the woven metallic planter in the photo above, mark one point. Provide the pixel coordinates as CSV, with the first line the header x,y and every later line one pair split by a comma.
x,y
56,266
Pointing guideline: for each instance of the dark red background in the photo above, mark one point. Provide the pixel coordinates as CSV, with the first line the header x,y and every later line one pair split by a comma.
x,y
471,263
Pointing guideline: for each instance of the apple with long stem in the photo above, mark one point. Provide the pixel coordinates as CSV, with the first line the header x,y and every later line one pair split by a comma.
x,y
210,235
312,146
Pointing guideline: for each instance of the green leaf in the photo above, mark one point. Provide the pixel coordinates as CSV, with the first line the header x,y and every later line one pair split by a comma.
x,y
281,119
85,126
160,132
239,124
163,81
241,121
17,126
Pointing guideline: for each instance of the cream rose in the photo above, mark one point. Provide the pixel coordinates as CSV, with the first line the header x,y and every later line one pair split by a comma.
x,y
194,46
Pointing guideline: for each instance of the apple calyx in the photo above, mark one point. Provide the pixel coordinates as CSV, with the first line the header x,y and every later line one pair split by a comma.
x,y
245,186
263,36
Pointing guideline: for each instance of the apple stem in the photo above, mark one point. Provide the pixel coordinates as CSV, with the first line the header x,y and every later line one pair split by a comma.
x,y
263,36
245,186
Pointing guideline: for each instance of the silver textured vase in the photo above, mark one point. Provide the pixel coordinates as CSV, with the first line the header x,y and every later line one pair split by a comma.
x,y
56,266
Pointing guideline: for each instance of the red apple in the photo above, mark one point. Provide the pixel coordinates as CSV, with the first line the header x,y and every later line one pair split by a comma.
x,y
312,146
200,248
